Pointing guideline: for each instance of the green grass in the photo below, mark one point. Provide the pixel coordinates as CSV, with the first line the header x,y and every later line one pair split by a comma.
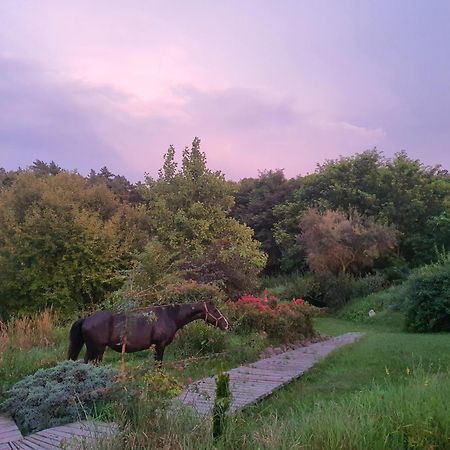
x,y
337,403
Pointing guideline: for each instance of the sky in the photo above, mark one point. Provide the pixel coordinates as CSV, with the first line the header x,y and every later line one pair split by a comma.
x,y
275,84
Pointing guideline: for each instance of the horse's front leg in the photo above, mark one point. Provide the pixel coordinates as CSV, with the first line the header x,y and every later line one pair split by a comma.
x,y
159,354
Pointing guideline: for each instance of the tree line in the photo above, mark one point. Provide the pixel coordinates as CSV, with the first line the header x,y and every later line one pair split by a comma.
x,y
71,241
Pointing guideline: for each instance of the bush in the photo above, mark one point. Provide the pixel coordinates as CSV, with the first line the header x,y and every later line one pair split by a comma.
x,y
190,292
222,266
429,298
58,395
199,338
393,298
319,290
280,320
367,285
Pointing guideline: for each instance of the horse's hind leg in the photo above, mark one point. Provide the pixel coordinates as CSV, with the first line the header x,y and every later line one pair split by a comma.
x,y
159,354
94,353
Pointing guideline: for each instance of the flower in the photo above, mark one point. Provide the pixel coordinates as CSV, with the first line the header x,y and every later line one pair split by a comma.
x,y
189,379
299,301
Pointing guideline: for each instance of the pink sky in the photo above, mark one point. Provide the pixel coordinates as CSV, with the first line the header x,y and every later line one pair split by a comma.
x,y
264,84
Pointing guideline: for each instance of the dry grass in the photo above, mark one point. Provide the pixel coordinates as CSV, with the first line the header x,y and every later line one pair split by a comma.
x,y
4,340
23,333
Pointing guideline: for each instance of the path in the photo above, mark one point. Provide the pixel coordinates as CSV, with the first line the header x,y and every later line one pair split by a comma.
x,y
256,381
70,436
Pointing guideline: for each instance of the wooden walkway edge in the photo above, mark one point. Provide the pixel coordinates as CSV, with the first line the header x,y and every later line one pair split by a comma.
x,y
71,436
253,382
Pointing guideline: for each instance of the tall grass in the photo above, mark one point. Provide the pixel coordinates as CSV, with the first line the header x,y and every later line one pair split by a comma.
x,y
26,332
27,344
413,415
4,340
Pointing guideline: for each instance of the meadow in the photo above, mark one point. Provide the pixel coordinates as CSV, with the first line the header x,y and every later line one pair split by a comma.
x,y
385,392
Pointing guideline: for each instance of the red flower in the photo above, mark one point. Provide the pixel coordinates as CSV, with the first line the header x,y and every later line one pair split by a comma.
x,y
299,301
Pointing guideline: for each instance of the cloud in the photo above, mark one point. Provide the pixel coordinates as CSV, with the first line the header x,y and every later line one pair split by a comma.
x,y
85,126
43,119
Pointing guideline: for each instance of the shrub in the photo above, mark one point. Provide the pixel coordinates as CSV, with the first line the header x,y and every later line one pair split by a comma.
x,y
319,289
58,395
221,404
190,292
429,298
280,320
335,291
393,298
304,286
199,338
222,266
159,385
367,285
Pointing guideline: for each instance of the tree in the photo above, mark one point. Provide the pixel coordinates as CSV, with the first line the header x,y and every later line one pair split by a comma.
x,y
338,243
189,210
401,191
254,204
43,169
63,243
117,184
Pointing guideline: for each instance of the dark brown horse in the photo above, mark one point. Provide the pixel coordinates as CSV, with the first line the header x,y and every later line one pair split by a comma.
x,y
134,331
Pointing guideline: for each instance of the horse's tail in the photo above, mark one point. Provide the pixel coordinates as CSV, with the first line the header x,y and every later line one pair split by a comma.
x,y
76,340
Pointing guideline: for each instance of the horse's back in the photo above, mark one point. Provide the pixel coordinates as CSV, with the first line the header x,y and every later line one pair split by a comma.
x,y
97,327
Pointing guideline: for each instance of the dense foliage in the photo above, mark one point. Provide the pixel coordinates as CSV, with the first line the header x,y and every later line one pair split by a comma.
x,y
402,192
189,210
61,394
278,319
354,226
254,204
63,241
338,244
429,299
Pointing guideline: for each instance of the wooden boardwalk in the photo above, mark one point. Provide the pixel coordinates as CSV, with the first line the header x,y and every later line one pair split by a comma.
x,y
253,382
72,436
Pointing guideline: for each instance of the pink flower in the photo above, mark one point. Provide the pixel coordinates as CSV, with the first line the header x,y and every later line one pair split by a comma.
x,y
189,379
299,301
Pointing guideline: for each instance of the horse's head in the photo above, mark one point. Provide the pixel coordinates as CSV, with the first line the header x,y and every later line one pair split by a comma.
x,y
215,317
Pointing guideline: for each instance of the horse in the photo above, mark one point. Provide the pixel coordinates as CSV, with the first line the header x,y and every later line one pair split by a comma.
x,y
135,331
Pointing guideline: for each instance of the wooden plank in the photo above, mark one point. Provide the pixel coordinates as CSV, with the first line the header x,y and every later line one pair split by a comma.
x,y
46,437
8,430
22,445
39,444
